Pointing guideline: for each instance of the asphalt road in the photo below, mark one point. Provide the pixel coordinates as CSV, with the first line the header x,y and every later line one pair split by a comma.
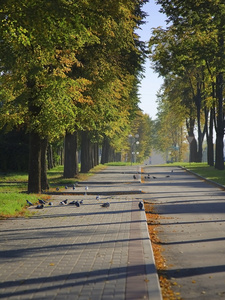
x,y
191,231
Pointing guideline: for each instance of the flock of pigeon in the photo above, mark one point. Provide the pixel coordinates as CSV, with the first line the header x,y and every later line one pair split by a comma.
x,y
77,203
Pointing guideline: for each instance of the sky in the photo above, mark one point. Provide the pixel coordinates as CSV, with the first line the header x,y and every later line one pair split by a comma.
x,y
150,85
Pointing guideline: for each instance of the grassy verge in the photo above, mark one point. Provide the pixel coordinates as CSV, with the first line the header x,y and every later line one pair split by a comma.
x,y
13,188
14,204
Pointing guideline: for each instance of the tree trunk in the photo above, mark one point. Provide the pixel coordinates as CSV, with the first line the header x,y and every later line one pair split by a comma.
x,y
50,157
44,180
96,156
70,156
193,153
105,151
86,155
210,152
219,164
198,101
34,170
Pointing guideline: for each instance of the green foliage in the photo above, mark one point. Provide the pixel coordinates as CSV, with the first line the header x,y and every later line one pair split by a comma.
x,y
67,60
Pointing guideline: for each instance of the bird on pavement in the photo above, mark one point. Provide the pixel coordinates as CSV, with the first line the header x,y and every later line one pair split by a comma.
x,y
72,202
50,203
41,201
77,204
28,202
134,176
98,197
81,201
64,202
106,204
41,206
66,187
74,187
57,189
153,177
140,205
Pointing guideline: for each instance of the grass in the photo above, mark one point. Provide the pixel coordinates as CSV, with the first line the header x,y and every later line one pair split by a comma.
x,y
14,204
13,190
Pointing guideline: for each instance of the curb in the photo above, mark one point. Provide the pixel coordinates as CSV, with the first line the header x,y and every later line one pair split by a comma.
x,y
205,179
152,275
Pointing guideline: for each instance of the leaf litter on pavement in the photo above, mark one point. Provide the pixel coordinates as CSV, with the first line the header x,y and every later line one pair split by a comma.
x,y
153,222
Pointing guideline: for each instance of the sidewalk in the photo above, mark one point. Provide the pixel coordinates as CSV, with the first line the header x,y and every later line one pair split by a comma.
x,y
191,231
82,253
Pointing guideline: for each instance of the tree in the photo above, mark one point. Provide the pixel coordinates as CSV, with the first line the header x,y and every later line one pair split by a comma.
x,y
39,44
205,23
170,133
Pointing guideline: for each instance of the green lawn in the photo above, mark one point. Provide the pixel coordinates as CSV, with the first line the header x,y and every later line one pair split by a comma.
x,y
13,190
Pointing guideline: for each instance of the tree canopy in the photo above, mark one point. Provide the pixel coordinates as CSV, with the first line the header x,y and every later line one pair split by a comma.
x,y
69,65
192,48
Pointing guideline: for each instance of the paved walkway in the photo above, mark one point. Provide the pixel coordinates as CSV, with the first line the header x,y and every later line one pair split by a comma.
x,y
82,253
191,231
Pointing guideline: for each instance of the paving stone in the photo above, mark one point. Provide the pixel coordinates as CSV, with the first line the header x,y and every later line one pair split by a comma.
x,y
90,252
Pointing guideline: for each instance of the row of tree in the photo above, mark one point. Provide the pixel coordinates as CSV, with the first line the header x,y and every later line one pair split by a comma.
x,y
190,55
70,69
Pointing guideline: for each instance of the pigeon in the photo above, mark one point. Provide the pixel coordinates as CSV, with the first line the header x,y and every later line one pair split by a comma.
x,y
66,187
134,176
64,202
153,177
106,204
41,206
74,187
28,202
98,197
140,205
50,203
77,204
86,188
57,189
81,201
167,175
41,201
72,202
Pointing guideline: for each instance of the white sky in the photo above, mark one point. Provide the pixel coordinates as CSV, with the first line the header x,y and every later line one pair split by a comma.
x,y
151,83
